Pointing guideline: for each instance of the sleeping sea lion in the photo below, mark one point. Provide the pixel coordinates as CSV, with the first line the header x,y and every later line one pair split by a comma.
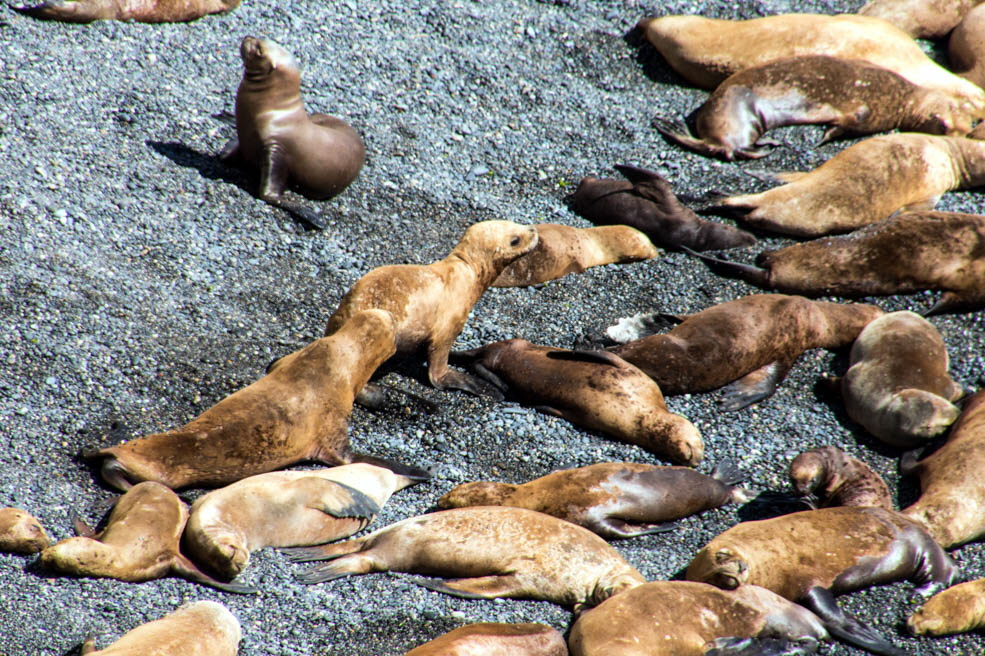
x,y
141,11
493,639
959,609
202,628
922,19
966,47
827,476
20,532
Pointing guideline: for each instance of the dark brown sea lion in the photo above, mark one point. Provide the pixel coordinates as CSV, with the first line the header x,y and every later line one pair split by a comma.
x,y
683,618
751,343
491,639
959,609
318,154
202,628
646,202
20,532
905,254
612,499
593,389
854,96
431,302
498,552
827,476
298,411
924,19
142,11
966,47
139,543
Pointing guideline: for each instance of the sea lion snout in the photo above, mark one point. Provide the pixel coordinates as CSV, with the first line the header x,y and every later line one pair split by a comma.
x,y
806,473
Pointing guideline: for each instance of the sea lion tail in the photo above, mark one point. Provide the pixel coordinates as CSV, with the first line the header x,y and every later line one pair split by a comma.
x,y
761,647
410,471
751,274
186,569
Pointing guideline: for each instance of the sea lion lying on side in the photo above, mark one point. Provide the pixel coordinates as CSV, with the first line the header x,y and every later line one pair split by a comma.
x,y
827,476
921,19
494,639
202,628
959,609
141,11
966,47
20,532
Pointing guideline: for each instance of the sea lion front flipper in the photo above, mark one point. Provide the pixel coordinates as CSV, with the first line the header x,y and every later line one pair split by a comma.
x,y
612,527
751,274
82,529
789,176
761,647
338,499
480,587
823,604
926,204
754,386
638,175
833,133
951,302
398,468
89,645
492,379
186,569
273,181
586,355
548,410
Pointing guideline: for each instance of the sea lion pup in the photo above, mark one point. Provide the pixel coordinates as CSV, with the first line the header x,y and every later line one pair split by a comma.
x,y
827,476
141,11
922,19
139,543
285,509
493,639
612,499
498,552
298,411
202,628
952,500
854,96
966,47
20,532
318,154
959,609
646,202
748,344
897,385
683,618
905,254
562,250
810,556
431,302
593,389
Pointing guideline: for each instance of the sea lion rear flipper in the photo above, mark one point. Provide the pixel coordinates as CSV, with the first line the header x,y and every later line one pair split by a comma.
x,y
186,569
761,647
480,587
728,472
754,386
347,565
788,176
638,175
597,357
548,410
677,133
82,529
823,604
612,527
338,499
751,274
230,153
951,302
399,468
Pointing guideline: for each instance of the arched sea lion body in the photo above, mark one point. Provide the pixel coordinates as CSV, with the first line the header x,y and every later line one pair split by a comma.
x,y
20,532
141,11
202,628
966,47
827,476
497,552
921,19
495,639
959,609
751,343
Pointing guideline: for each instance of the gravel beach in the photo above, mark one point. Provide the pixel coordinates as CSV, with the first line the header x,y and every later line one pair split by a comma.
x,y
142,282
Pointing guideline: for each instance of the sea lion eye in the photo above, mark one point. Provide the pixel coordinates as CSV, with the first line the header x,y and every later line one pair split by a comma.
x,y
515,241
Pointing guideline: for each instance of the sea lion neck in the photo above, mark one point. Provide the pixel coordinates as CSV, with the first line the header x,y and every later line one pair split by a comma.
x,y
482,269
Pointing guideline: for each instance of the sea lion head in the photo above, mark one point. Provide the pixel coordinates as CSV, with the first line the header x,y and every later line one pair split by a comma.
x,y
479,493
941,113
920,414
77,556
21,532
956,610
681,443
261,57
230,555
611,586
497,242
807,472
722,568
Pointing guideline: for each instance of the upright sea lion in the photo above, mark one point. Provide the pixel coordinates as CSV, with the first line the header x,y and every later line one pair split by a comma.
x,y
827,476
431,302
646,202
317,153
966,47
562,250
751,343
594,389
141,11
20,532
852,95
491,639
612,499
139,543
298,411
912,252
922,19
285,509
202,628
499,552
958,609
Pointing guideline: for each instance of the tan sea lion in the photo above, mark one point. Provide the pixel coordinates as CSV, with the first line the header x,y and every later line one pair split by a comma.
x,y
139,543
966,47
492,639
646,202
748,344
959,609
827,476
298,411
562,250
593,389
612,499
852,95
141,11
431,302
285,509
202,628
318,154
497,552
923,19
20,532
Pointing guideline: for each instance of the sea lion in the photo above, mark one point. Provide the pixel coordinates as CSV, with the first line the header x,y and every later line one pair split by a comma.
x,y
751,343
562,250
431,302
683,618
827,476
809,556
593,389
318,154
966,47
612,499
905,254
921,19
493,639
141,11
854,96
952,500
139,543
202,628
897,385
646,202
285,509
20,532
498,552
959,609
865,183
298,411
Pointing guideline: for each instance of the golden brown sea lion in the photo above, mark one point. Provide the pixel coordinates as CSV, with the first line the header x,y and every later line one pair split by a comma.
x,y
285,509
318,154
298,411
139,543
958,609
827,476
20,532
751,343
491,639
924,19
593,389
142,11
966,47
202,628
612,499
431,302
498,552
